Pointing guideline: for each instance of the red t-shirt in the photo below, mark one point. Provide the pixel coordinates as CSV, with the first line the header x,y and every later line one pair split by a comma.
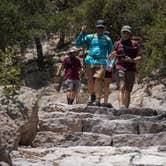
x,y
72,67
130,48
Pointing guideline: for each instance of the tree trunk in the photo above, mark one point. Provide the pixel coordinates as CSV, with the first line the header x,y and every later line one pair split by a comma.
x,y
39,53
2,47
61,41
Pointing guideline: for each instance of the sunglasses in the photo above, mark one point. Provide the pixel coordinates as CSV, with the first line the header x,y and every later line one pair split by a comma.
x,y
126,32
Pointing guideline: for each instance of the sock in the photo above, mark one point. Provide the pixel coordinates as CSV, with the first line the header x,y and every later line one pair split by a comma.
x,y
71,101
68,100
93,97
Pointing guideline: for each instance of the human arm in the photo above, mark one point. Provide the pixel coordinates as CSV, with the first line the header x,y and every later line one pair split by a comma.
x,y
135,60
81,38
112,55
112,63
110,44
60,69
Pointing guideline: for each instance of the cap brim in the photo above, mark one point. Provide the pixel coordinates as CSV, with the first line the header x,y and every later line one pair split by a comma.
x,y
100,26
73,50
125,30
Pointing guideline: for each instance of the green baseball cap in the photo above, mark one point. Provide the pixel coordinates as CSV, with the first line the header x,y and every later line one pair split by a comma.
x,y
126,28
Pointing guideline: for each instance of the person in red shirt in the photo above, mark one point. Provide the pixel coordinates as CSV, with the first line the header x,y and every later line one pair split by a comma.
x,y
72,66
127,53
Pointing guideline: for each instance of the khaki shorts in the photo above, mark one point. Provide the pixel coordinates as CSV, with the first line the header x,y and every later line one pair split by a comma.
x,y
94,71
127,78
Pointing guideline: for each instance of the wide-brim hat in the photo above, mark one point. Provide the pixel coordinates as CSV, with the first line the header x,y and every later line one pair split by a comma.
x,y
126,28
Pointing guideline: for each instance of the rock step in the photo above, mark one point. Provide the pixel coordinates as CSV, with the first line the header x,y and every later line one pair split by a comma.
x,y
82,108
105,122
50,139
98,126
91,156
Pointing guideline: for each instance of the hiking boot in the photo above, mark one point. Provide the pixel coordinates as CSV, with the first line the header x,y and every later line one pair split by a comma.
x,y
108,105
92,99
97,103
89,103
70,101
122,108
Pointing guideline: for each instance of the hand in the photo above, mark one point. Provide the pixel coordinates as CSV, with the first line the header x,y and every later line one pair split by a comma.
x,y
112,55
128,59
84,28
111,67
57,75
57,78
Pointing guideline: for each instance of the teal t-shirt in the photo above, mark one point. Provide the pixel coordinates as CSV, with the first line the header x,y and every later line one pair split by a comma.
x,y
98,47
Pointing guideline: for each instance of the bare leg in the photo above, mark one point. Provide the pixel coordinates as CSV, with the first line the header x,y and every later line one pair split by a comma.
x,y
106,89
91,85
91,89
98,88
121,96
71,96
127,98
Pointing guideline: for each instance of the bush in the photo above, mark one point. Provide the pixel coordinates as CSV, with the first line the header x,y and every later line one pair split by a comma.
x,y
10,72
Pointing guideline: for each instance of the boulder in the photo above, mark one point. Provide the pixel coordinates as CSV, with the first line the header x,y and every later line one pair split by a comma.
x,y
18,120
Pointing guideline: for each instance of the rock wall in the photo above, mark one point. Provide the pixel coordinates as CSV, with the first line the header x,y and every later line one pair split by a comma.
x,y
18,121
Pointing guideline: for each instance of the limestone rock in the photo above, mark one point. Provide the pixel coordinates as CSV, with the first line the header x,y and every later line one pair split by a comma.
x,y
141,140
29,98
51,139
90,156
18,120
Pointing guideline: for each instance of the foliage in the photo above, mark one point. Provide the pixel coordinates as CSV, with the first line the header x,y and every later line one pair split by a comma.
x,y
23,21
10,71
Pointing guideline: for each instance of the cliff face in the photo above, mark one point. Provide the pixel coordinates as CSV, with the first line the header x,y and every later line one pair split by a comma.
x,y
18,121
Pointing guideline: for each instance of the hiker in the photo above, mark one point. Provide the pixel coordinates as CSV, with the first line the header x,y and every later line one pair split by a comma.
x,y
72,66
108,77
98,46
127,53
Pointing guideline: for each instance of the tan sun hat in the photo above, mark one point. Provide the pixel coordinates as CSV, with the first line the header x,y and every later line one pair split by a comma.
x,y
73,49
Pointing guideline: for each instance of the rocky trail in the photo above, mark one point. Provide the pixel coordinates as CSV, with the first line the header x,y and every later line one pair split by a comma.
x,y
37,128
94,136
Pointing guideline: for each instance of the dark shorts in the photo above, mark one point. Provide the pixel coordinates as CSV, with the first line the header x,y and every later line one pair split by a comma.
x,y
127,78
70,85
108,74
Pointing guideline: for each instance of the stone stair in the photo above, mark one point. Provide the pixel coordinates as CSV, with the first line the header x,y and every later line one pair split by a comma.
x,y
100,126
77,135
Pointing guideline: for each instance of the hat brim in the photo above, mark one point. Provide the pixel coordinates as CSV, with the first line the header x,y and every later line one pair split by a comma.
x,y
74,50
125,30
100,26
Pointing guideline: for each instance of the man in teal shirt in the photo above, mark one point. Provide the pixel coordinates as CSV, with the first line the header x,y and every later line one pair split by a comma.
x,y
98,47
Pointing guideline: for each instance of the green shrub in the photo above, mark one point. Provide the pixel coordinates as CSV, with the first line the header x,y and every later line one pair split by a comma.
x,y
10,72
